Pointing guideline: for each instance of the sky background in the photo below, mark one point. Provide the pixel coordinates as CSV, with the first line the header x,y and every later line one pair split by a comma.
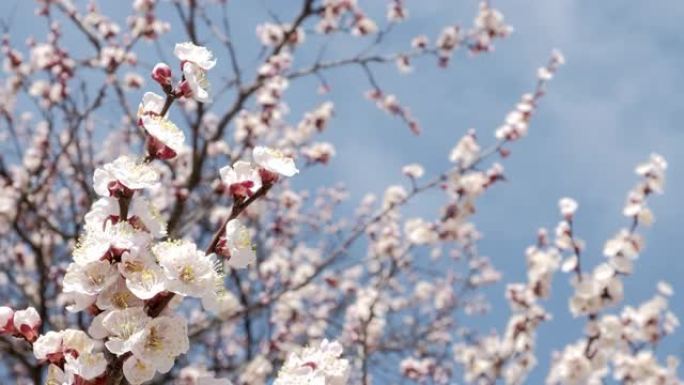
x,y
616,100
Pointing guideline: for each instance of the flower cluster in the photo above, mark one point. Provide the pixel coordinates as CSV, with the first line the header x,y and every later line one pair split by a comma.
x,y
511,356
488,25
342,14
517,121
21,323
124,272
616,342
71,356
315,365
207,211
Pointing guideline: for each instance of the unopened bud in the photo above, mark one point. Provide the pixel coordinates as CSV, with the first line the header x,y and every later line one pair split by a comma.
x,y
27,322
161,73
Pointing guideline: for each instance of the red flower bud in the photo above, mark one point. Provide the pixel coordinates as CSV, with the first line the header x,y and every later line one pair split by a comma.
x,y
161,73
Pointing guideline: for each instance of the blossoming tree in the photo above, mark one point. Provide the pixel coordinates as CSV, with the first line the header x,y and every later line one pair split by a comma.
x,y
148,251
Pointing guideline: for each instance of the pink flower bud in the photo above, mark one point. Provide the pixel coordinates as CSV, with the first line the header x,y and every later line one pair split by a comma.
x,y
27,322
161,73
6,320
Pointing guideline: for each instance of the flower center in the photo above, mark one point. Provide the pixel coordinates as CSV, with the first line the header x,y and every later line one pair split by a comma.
x,y
95,279
133,266
147,277
202,79
187,274
120,299
154,340
127,330
166,125
276,153
244,240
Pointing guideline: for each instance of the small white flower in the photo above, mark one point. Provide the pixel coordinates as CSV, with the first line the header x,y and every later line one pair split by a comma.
x,y
128,172
221,302
27,322
413,170
239,245
665,288
567,206
122,326
466,151
112,240
320,152
77,340
144,277
188,270
394,195
201,56
47,344
53,345
653,172
196,61
419,232
89,279
144,216
117,296
137,371
87,366
167,139
242,179
197,81
274,161
151,104
55,375
161,341
364,26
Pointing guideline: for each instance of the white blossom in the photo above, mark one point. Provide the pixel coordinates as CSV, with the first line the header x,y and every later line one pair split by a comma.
x,y
137,371
122,327
242,179
87,366
274,161
127,171
144,277
239,245
161,341
196,61
27,322
165,134
200,56
188,270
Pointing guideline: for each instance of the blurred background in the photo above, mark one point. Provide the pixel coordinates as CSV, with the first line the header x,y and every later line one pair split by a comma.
x,y
617,99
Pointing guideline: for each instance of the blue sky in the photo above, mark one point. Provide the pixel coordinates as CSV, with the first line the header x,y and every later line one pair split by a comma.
x,y
616,100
